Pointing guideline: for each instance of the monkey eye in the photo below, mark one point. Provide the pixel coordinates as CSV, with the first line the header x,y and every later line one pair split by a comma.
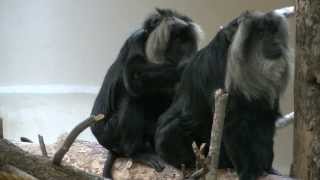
x,y
155,22
180,37
274,29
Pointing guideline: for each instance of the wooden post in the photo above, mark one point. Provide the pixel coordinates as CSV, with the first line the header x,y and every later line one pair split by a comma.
x,y
1,128
42,146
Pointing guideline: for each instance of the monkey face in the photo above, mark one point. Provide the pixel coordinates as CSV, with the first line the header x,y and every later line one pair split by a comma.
x,y
275,37
183,42
258,62
172,39
268,34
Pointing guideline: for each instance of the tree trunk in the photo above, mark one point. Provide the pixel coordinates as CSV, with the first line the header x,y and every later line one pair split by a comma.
x,y
306,165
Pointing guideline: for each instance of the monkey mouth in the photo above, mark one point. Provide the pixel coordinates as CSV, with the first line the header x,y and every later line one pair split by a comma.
x,y
276,54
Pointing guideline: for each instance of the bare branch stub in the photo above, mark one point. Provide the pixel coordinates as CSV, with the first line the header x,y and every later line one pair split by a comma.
x,y
201,162
221,99
58,156
206,167
42,146
1,128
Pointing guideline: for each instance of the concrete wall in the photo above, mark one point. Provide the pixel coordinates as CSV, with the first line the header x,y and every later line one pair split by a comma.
x,y
54,55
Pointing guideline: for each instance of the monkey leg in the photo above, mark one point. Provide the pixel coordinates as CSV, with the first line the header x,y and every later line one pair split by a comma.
x,y
173,143
250,147
131,132
107,169
150,159
224,160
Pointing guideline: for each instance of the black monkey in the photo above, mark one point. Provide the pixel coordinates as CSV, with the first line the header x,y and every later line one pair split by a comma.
x,y
254,70
140,85
188,118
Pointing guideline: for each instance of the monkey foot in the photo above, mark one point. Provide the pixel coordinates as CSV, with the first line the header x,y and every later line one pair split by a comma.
x,y
151,160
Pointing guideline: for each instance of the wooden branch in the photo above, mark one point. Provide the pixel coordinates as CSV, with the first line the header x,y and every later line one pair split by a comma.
x,y
197,174
58,156
221,99
42,146
38,166
206,167
17,172
1,128
286,11
285,120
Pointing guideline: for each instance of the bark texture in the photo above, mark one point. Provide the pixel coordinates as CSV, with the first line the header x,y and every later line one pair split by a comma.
x,y
306,164
90,157
37,166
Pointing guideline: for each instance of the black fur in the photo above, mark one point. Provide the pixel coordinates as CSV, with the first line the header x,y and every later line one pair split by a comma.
x,y
189,117
247,143
137,89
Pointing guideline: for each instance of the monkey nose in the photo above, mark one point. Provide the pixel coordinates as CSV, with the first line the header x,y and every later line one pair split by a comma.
x,y
274,53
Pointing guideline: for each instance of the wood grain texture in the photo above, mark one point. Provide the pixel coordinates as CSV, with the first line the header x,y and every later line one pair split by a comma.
x,y
306,164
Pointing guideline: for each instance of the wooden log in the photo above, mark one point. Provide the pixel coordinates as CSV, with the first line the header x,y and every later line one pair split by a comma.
x,y
18,173
38,166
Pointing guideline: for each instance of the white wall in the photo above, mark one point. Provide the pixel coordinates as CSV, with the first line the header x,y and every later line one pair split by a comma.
x,y
73,42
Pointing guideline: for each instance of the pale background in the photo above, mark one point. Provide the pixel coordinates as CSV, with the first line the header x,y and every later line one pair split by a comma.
x,y
54,55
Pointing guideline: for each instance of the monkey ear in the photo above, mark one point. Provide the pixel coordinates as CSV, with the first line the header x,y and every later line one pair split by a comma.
x,y
230,29
245,15
160,11
164,12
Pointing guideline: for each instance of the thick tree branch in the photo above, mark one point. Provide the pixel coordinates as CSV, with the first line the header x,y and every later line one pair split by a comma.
x,y
286,11
285,120
58,156
38,166
17,172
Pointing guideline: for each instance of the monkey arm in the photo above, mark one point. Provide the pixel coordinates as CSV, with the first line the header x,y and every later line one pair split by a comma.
x,y
142,77
162,79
